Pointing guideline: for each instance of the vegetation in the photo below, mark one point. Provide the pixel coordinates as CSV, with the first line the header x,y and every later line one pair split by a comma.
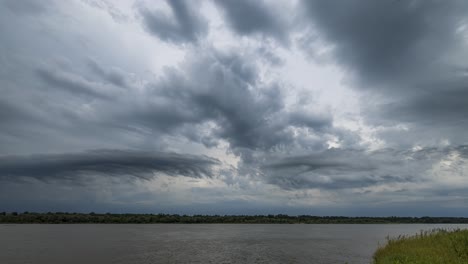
x,y
437,246
65,218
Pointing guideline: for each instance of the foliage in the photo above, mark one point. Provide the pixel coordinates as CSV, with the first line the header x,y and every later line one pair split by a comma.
x,y
65,218
436,246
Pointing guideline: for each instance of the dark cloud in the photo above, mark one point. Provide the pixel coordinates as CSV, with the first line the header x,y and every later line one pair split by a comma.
x,y
388,40
122,163
210,97
184,25
406,54
405,60
314,121
445,106
248,17
344,169
223,88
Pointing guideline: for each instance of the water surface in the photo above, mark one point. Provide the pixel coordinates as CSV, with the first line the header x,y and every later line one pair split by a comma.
x,y
197,243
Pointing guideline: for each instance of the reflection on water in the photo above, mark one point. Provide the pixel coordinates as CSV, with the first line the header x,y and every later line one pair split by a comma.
x,y
204,243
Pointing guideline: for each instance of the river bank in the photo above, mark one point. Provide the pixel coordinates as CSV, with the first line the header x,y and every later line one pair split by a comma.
x,y
436,246
109,218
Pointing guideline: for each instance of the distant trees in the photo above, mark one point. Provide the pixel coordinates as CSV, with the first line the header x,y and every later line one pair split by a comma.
x,y
70,218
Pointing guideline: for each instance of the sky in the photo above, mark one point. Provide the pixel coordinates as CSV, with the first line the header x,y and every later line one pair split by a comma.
x,y
356,108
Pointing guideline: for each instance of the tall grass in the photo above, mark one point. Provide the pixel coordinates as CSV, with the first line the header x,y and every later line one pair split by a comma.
x,y
427,247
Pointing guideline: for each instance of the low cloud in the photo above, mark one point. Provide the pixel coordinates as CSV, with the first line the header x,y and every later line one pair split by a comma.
x,y
347,169
115,163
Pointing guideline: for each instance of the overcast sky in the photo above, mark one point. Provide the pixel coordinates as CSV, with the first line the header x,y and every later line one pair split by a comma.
x,y
355,107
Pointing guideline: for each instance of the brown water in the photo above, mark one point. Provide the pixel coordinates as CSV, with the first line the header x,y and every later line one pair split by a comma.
x,y
205,243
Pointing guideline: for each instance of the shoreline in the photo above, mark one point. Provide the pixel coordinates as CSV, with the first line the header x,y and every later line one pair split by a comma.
x,y
435,246
108,218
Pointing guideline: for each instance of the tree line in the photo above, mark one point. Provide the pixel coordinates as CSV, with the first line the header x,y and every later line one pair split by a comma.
x,y
108,218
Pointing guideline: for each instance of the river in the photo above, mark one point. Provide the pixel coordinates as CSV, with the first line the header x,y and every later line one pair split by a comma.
x,y
198,243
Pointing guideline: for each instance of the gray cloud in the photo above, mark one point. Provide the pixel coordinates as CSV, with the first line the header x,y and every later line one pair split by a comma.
x,y
405,54
314,121
113,76
68,88
110,8
345,169
223,88
248,17
269,56
446,106
26,7
390,40
72,83
9,113
122,163
185,24
211,96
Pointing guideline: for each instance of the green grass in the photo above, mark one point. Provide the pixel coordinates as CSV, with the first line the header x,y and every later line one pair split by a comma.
x,y
436,246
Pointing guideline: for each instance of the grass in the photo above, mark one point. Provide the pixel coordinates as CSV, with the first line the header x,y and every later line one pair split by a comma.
x,y
430,247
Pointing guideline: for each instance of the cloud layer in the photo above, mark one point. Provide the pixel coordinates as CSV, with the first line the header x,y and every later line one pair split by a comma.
x,y
144,165
273,106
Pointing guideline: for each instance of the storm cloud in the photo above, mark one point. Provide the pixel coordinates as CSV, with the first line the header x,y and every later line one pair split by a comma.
x,y
118,163
291,106
406,55
336,169
391,41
